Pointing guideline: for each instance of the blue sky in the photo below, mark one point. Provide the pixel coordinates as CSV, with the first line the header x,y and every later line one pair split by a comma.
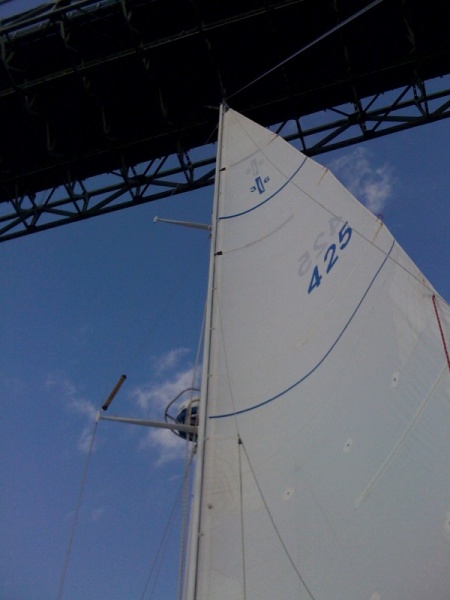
x,y
83,304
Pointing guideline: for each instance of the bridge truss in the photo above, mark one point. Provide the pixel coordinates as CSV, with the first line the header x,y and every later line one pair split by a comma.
x,y
128,89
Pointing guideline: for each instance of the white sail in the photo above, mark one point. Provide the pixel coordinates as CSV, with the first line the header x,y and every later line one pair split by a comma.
x,y
325,457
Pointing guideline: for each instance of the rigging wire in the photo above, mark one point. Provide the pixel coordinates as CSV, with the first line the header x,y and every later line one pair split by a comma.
x,y
76,514
162,548
308,46
187,464
189,454
183,493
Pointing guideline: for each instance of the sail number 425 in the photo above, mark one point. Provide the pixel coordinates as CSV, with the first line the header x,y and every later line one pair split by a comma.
x,y
330,257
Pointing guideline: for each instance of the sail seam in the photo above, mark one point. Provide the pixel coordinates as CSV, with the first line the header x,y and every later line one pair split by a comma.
x,y
283,545
244,212
241,502
368,490
441,331
311,371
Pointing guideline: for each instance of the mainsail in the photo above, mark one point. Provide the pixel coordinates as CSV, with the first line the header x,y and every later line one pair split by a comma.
x,y
324,448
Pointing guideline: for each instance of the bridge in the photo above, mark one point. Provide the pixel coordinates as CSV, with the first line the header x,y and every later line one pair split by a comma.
x,y
131,88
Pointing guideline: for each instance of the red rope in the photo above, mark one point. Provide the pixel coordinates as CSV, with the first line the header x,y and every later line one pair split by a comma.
x,y
442,332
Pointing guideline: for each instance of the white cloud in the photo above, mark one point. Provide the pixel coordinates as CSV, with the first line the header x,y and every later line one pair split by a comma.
x,y
155,396
83,407
168,445
86,514
152,399
77,404
169,360
371,185
65,387
97,514
85,439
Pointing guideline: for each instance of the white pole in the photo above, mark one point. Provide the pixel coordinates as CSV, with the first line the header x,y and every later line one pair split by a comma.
x,y
183,223
145,423
190,588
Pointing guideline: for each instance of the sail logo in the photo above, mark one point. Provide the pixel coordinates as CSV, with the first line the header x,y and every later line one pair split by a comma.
x,y
259,180
260,185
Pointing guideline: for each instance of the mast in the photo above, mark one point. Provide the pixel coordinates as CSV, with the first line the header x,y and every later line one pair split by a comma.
x,y
191,574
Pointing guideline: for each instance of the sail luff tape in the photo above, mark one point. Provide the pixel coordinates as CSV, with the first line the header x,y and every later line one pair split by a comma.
x,y
116,388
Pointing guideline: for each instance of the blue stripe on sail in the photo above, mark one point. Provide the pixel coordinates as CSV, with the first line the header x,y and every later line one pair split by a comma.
x,y
244,212
244,410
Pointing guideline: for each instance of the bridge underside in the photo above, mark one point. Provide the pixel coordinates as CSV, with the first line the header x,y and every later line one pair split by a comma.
x,y
131,88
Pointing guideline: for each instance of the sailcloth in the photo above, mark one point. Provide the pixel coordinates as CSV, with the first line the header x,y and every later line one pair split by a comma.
x,y
325,448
